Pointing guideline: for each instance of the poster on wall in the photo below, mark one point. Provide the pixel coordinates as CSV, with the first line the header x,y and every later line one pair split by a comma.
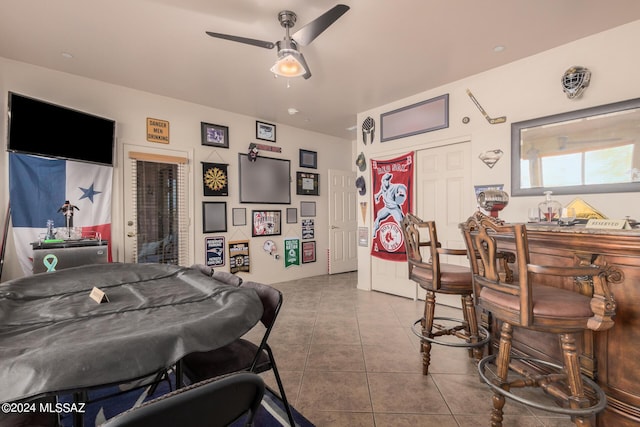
x,y
239,256
214,251
392,182
214,179
308,252
291,252
308,229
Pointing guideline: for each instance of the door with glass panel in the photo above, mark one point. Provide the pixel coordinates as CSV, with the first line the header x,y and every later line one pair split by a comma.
x,y
155,213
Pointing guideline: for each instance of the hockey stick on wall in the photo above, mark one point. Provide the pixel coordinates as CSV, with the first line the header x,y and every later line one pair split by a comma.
x,y
491,120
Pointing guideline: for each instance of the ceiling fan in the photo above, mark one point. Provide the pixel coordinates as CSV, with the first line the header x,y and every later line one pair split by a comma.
x,y
291,62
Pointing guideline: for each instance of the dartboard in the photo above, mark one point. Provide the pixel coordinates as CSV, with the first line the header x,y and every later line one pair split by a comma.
x,y
215,179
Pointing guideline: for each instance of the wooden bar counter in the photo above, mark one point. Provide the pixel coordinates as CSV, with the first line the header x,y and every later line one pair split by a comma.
x,y
611,357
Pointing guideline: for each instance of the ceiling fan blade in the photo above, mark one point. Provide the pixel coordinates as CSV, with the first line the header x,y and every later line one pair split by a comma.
x,y
245,40
313,29
305,65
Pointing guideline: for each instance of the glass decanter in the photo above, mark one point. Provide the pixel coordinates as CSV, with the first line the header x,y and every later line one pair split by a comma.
x,y
549,209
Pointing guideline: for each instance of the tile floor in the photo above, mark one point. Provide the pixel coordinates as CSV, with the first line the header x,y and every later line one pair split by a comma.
x,y
348,358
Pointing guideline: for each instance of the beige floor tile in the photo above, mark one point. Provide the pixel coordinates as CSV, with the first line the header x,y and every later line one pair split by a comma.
x,y
392,357
374,334
336,357
405,393
334,391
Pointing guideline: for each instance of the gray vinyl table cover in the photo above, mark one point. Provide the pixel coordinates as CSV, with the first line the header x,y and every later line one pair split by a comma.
x,y
54,337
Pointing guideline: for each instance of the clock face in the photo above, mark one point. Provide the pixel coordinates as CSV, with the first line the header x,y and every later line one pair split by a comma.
x,y
215,179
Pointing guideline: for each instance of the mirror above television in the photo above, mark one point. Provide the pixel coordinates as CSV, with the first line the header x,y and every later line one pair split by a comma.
x,y
594,150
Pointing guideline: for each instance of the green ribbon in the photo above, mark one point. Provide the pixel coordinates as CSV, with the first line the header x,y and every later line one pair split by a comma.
x,y
50,261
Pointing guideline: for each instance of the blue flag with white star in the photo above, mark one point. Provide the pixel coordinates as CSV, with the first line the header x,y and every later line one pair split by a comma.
x,y
40,186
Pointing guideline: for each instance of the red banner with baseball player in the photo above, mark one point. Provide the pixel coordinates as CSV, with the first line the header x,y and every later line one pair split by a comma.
x,y
392,182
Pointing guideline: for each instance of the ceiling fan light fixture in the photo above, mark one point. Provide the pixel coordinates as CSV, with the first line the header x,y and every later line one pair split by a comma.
x,y
288,65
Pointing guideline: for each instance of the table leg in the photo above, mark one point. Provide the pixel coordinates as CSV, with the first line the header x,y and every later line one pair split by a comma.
x,y
179,375
78,417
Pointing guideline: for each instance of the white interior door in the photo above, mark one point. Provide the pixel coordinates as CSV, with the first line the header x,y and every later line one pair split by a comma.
x,y
443,193
342,222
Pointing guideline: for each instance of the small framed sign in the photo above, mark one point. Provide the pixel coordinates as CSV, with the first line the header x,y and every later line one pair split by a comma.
x,y
265,131
157,130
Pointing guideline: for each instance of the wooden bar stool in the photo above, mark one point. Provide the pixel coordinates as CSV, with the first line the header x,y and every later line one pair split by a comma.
x,y
436,277
512,289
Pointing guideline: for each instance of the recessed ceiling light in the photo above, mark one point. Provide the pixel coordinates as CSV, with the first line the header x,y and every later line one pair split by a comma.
x,y
499,48
66,55
292,111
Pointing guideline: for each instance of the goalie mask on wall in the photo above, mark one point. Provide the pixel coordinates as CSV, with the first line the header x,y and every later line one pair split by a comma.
x,y
575,80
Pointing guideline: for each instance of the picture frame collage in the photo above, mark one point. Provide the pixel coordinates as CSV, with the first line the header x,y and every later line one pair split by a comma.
x,y
263,222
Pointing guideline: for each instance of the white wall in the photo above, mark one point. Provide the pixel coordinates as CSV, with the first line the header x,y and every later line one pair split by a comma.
x,y
130,109
522,90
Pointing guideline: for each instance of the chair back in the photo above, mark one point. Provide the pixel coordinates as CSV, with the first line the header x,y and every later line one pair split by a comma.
x,y
411,227
271,299
211,403
227,278
221,276
492,265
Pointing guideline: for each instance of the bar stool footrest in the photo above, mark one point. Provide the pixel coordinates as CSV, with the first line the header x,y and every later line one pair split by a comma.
x,y
579,412
483,334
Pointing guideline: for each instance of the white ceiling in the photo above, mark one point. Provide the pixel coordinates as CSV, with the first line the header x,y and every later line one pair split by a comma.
x,y
378,52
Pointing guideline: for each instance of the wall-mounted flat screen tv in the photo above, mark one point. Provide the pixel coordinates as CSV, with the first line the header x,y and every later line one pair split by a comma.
x,y
265,180
45,129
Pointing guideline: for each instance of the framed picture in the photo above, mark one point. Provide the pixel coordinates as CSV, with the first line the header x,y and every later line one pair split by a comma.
x,y
308,252
214,217
425,116
292,215
239,216
265,131
307,208
214,135
266,223
307,184
308,159
363,236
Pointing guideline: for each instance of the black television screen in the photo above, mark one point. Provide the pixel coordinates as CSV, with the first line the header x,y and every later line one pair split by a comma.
x,y
45,129
265,180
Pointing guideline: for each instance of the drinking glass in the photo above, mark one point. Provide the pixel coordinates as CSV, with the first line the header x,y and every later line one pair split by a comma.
x,y
567,215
